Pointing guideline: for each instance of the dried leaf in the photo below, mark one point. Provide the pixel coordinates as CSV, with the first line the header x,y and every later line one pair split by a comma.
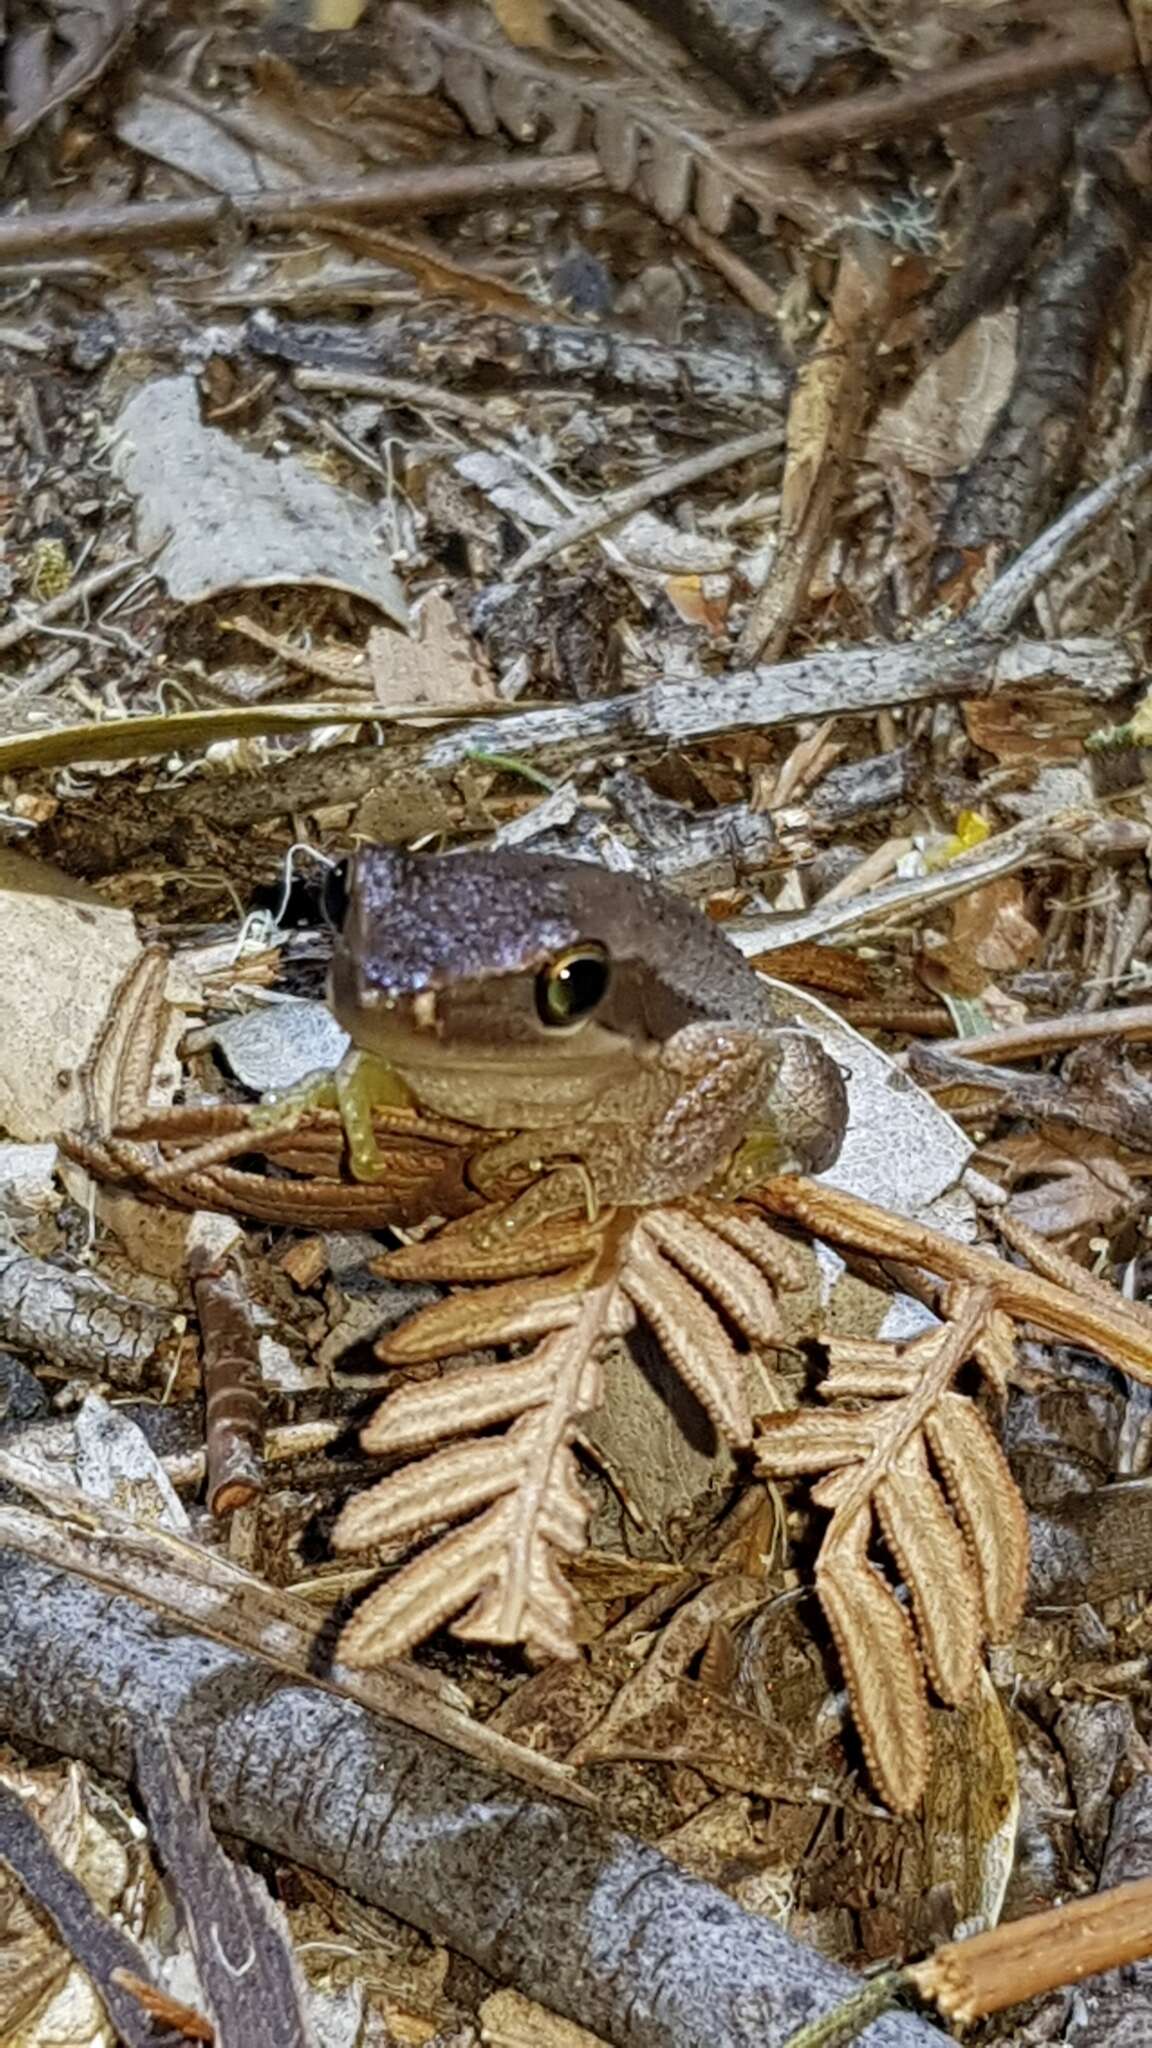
x,y
692,1335
811,1441
721,1269
492,1315
962,1550
218,517
984,1496
929,1549
877,1648
434,665
504,1564
523,1486
939,425
91,33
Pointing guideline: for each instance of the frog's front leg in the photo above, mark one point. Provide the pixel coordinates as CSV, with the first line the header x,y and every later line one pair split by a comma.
x,y
361,1083
799,1123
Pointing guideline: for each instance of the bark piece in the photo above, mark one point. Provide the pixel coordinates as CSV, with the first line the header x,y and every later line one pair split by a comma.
x,y
601,1928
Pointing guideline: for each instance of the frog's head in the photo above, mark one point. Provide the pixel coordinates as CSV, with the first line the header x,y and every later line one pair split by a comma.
x,y
512,988
507,959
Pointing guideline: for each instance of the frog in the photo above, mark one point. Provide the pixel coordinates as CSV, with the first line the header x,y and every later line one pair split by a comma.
x,y
606,1040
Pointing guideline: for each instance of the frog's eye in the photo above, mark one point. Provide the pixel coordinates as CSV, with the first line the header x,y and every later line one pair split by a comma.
x,y
571,986
334,894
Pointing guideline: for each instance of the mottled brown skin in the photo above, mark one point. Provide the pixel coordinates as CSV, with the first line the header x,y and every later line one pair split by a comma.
x,y
684,1076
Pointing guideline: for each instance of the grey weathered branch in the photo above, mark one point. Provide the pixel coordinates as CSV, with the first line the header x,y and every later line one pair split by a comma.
x,y
545,1897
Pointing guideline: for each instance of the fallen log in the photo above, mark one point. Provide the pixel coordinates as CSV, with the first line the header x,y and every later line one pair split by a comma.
x,y
539,1892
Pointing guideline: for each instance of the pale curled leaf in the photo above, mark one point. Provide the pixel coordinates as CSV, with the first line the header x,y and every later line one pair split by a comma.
x,y
462,1403
504,1314
984,1496
811,1439
867,1368
877,1649
454,1253
691,1334
934,1562
769,1250
452,1482
720,1268
421,1596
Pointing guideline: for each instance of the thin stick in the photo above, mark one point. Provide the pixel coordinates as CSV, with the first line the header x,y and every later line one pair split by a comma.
x,y
614,505
1107,47
1114,1331
431,188
1028,1957
233,1407
27,623
1050,1034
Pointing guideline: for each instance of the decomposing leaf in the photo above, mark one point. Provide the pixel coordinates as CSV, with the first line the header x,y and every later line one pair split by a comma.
x,y
668,1265
972,1803
959,1540
435,665
67,953
991,934
218,517
940,424
92,31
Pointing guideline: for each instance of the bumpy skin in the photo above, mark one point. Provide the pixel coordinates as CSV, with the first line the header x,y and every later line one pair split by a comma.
x,y
684,1076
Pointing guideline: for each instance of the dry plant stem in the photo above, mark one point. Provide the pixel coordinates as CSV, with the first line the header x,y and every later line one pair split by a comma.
x,y
825,414
1000,606
1048,1260
233,1407
738,275
1051,1034
614,505
1116,1333
28,623
598,1926
1106,46
194,1589
1020,846
1028,1957
428,189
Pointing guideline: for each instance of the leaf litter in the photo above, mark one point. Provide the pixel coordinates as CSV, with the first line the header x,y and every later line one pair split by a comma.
x,y
714,443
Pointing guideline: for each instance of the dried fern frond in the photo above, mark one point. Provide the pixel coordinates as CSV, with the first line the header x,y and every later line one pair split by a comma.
x,y
659,149
671,1267
920,1475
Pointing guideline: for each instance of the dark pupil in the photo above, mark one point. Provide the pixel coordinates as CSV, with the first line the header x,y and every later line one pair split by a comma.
x,y
335,895
569,991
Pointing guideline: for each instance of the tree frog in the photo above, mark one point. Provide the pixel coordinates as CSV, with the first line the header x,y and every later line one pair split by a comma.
x,y
608,1024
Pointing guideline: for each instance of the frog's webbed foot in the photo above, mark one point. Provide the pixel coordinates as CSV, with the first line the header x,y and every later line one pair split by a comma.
x,y
564,1188
569,1189
360,1084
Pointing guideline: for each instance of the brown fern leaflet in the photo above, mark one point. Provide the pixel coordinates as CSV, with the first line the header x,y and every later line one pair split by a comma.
x,y
920,1473
660,148
690,1272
